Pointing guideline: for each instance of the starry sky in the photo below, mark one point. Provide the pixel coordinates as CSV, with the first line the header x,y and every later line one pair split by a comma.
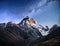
x,y
45,12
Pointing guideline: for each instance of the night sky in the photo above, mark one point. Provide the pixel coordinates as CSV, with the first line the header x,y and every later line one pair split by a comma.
x,y
45,12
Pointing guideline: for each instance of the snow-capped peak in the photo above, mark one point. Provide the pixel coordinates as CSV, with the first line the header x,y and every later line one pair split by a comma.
x,y
31,23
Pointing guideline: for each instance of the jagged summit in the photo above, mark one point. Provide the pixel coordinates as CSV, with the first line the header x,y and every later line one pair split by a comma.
x,y
27,21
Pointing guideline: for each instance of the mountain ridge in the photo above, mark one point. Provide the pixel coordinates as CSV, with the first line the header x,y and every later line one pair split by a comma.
x,y
26,32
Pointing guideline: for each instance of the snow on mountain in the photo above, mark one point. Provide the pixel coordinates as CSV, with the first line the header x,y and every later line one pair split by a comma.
x,y
32,25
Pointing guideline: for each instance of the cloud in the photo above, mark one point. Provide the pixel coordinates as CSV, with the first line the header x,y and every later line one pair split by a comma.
x,y
41,4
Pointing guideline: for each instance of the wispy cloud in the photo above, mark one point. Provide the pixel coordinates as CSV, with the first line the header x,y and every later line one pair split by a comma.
x,y
41,4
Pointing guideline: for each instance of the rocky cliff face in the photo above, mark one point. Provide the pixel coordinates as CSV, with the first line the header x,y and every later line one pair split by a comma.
x,y
27,21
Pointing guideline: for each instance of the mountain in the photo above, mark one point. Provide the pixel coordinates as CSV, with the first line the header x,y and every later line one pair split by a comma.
x,y
25,33
31,23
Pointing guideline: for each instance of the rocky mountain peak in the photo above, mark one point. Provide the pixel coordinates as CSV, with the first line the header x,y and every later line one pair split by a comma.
x,y
27,21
